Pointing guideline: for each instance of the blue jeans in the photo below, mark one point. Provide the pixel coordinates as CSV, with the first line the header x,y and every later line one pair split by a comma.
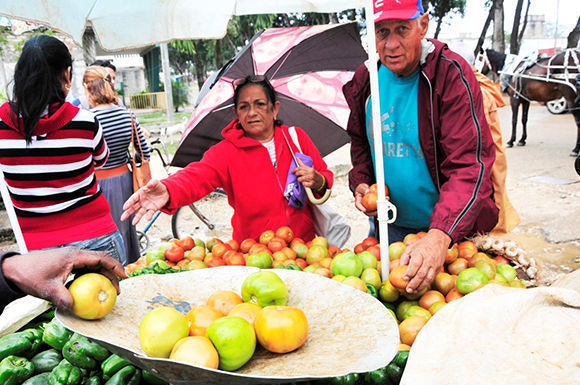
x,y
112,244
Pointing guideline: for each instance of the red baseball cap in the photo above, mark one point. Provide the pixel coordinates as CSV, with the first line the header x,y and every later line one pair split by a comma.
x,y
397,9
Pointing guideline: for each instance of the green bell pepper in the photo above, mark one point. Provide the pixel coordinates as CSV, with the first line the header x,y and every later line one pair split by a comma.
x,y
112,365
394,372
152,379
349,379
377,377
372,290
15,370
46,361
83,353
39,379
55,334
65,374
129,375
93,380
26,342
401,358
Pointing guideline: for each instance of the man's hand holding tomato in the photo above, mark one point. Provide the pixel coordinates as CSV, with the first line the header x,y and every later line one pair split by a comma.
x,y
146,201
425,258
43,273
360,191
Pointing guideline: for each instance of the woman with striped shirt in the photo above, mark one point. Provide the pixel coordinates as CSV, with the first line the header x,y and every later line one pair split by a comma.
x,y
115,179
48,152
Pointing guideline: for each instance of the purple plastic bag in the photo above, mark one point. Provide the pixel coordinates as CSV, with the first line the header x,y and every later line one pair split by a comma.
x,y
294,191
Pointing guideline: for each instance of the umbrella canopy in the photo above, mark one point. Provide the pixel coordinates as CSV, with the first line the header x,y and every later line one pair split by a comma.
x,y
307,67
127,24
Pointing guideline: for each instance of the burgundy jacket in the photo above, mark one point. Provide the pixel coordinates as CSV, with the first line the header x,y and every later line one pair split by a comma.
x,y
454,137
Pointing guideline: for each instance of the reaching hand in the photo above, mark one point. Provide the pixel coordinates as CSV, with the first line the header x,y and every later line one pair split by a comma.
x,y
308,176
359,192
425,258
43,273
146,201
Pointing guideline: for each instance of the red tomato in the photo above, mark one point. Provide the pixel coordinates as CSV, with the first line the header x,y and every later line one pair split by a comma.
x,y
174,253
187,243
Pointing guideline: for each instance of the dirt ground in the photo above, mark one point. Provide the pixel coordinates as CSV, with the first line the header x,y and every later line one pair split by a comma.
x,y
542,185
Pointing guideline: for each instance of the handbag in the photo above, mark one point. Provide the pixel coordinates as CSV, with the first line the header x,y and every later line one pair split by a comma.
x,y
139,165
327,222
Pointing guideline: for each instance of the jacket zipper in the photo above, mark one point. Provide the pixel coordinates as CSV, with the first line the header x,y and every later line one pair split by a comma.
x,y
433,131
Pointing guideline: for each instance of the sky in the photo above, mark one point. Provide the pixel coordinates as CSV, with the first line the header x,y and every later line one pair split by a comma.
x,y
475,15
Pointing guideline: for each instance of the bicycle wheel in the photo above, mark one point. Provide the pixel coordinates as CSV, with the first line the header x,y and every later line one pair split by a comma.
x,y
143,241
188,220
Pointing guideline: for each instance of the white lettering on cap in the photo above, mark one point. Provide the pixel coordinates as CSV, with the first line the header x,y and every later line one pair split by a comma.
x,y
378,3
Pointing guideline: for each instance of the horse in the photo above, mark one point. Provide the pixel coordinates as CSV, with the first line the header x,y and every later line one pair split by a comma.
x,y
542,79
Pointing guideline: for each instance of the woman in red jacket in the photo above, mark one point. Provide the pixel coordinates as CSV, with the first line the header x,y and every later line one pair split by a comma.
x,y
251,164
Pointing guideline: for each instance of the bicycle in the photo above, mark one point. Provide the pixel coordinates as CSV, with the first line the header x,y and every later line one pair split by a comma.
x,y
182,217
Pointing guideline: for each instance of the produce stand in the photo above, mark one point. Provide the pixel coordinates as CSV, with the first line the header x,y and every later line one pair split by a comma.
x,y
349,331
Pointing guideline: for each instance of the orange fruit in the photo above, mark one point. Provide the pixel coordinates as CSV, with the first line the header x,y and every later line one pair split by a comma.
x,y
224,301
200,317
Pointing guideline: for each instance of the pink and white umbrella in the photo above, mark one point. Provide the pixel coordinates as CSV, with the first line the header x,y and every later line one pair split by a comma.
x,y
307,67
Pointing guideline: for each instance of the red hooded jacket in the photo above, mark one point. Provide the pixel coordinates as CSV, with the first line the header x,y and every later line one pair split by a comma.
x,y
242,167
454,137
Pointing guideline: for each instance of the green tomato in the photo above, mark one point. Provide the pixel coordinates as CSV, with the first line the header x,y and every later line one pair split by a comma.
x,y
261,260
506,271
154,255
347,264
265,288
470,279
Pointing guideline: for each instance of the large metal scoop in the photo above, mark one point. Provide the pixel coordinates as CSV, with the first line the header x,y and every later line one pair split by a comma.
x,y
349,331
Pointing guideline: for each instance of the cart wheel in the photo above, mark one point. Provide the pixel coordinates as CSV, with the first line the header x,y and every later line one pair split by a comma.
x,y
557,106
143,241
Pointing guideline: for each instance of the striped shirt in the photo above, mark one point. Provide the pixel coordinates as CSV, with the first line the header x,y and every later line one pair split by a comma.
x,y
51,180
116,123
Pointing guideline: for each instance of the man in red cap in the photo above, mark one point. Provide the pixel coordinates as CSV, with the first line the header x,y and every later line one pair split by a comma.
x,y
437,146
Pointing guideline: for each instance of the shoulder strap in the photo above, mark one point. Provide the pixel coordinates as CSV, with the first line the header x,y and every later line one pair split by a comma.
x,y
135,134
294,136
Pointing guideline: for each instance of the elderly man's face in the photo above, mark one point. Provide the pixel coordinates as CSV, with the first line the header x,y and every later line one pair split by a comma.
x,y
399,43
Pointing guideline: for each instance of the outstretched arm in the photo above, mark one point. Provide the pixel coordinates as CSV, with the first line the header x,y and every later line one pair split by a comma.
x,y
43,273
146,201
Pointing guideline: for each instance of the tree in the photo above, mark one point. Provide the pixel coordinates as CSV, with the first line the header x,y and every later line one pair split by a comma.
x,y
517,34
484,30
441,8
498,21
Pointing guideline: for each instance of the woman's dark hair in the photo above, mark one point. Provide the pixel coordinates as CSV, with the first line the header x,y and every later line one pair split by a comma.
x,y
104,63
256,80
38,78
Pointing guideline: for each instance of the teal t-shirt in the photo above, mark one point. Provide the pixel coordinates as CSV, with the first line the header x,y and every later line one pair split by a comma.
x,y
411,188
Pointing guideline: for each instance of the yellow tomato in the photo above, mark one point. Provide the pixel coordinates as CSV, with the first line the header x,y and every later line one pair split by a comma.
x,y
281,329
160,329
197,351
93,296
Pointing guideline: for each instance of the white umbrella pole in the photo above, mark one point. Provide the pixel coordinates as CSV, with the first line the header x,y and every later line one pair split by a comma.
x,y
12,215
167,83
384,207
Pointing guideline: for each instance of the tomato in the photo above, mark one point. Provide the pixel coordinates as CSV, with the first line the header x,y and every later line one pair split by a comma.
x,y
160,329
281,329
285,233
197,351
212,261
368,259
376,250
200,317
234,339
220,249
410,327
396,276
276,244
369,201
316,253
224,301
396,249
410,238
457,266
246,310
347,264
93,296
246,244
174,253
261,260
368,242
452,254
388,292
234,244
429,298
470,279
444,282
187,243
212,242
506,271
266,237
264,288
357,283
